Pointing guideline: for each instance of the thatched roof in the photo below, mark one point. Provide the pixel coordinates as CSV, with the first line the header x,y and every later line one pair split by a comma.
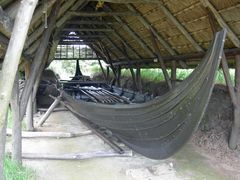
x,y
126,29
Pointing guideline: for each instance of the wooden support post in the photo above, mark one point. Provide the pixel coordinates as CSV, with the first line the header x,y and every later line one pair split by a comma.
x,y
17,125
2,145
139,79
119,70
49,111
228,80
234,136
38,60
11,62
160,60
108,74
103,72
29,112
174,73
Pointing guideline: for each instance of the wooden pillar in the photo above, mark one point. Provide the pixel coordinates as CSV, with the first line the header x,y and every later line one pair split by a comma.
x,y
108,74
236,123
10,64
139,79
174,73
102,69
29,114
38,59
160,60
119,70
17,128
29,111
2,145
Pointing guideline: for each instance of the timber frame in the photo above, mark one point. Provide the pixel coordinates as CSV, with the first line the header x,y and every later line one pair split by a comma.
x,y
132,34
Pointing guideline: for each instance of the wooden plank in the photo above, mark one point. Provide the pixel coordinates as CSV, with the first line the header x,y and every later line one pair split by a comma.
x,y
77,156
232,36
43,134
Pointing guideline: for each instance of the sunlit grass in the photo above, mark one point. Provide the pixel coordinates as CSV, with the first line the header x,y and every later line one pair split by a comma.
x,y
156,75
13,171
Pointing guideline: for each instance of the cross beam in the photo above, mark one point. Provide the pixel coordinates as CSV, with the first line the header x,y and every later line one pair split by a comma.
x,y
97,14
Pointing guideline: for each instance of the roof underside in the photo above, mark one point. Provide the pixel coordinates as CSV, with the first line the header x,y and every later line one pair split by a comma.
x,y
126,30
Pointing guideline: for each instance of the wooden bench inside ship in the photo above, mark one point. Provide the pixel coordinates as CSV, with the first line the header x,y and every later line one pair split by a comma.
x,y
133,34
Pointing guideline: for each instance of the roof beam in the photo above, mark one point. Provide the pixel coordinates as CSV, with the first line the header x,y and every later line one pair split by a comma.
x,y
129,1
79,22
64,18
153,30
232,36
39,11
97,14
84,36
134,35
192,57
88,29
175,21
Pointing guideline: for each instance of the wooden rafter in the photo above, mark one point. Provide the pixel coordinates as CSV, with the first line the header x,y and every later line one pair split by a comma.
x,y
67,16
148,26
232,36
88,29
129,1
98,14
90,22
169,15
131,32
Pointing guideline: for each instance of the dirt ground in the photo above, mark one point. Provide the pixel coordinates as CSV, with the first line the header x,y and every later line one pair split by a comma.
x,y
205,156
187,164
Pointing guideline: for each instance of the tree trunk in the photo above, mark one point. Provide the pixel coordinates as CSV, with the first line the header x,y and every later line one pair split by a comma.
x,y
2,146
10,64
16,129
29,114
38,60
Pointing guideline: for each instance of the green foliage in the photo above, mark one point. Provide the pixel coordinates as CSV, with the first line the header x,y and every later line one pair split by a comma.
x,y
13,171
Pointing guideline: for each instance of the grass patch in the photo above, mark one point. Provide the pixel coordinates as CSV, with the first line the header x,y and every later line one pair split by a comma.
x,y
12,171
156,75
10,121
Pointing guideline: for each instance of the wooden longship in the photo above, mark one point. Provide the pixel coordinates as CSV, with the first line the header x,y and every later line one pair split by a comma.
x,y
160,127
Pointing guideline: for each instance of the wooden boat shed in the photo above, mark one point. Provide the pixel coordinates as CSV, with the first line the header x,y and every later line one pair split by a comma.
x,y
130,34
